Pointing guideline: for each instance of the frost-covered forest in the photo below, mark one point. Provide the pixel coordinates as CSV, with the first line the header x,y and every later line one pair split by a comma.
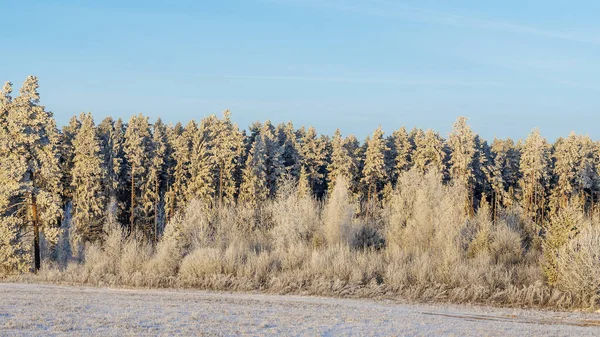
x,y
285,209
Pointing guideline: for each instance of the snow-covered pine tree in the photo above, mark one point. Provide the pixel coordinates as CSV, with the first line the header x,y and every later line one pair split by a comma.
x,y
157,175
112,136
404,151
290,149
482,172
274,169
341,163
5,99
29,170
180,140
429,151
314,158
66,157
14,252
589,177
574,173
227,152
202,163
138,147
374,170
567,157
535,166
88,173
254,189
5,106
390,155
462,145
356,153
303,188
506,173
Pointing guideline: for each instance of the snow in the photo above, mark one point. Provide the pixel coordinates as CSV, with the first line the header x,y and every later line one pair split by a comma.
x,y
50,310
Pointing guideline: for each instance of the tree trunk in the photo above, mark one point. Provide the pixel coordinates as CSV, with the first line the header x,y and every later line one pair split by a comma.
x,y
132,215
157,186
221,186
172,206
592,206
36,234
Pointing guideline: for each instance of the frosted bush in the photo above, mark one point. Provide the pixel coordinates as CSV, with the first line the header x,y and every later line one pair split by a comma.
x,y
578,266
296,219
338,215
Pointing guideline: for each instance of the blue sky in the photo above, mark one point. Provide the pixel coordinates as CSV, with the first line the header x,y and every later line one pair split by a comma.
x,y
508,65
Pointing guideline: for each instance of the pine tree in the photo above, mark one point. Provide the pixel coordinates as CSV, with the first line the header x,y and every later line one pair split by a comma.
x,y
290,148
157,172
254,189
588,178
314,160
567,157
374,171
14,257
228,148
112,137
389,156
181,143
429,151
356,154
89,200
535,166
30,172
404,151
505,173
202,164
137,147
274,169
341,163
5,107
574,172
482,173
304,190
66,157
462,146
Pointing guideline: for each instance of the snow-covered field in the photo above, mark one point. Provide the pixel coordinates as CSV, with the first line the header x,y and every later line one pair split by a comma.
x,y
48,310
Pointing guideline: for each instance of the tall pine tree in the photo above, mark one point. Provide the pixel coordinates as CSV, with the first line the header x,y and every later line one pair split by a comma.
x,y
89,200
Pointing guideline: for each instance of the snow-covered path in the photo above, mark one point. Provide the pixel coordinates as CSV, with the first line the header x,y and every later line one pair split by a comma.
x,y
48,310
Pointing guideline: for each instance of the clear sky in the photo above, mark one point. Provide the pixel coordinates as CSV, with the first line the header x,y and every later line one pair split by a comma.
x,y
507,65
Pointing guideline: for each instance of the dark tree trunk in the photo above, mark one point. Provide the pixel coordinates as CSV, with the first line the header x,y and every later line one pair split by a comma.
x,y
221,186
157,186
36,234
132,215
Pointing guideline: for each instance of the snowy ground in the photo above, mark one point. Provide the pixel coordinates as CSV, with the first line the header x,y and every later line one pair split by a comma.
x,y
47,310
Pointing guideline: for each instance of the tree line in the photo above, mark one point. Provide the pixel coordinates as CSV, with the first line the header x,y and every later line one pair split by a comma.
x,y
144,173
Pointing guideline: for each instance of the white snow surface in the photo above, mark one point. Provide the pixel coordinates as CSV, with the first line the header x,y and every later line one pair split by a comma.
x,y
51,310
